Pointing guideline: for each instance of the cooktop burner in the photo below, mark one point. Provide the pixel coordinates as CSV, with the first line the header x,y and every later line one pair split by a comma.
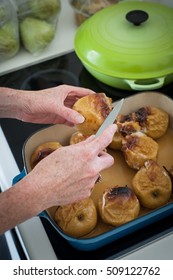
x,y
69,70
49,78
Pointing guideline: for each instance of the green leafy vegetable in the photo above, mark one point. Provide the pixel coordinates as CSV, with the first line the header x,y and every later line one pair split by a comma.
x,y
9,43
44,9
36,34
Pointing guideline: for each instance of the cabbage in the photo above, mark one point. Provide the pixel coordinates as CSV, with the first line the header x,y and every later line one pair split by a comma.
x,y
44,9
36,34
9,43
2,14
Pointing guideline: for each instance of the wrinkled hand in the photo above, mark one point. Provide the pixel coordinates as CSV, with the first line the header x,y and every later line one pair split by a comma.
x,y
53,105
68,174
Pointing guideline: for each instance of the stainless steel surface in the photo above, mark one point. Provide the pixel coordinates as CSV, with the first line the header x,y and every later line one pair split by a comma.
x,y
111,117
159,249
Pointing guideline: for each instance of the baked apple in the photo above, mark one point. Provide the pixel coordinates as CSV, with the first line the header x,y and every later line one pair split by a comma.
x,y
77,137
152,185
77,219
95,108
118,205
138,148
123,129
42,151
154,121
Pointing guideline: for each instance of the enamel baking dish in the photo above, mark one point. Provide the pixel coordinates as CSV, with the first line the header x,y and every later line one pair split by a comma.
x,y
62,133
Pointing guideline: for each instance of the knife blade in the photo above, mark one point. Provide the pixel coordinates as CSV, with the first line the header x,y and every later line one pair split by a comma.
x,y
111,117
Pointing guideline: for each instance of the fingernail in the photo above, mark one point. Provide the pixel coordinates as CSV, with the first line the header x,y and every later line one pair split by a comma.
x,y
80,119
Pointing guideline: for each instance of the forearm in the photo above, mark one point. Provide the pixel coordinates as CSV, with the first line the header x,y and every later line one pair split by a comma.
x,y
17,204
10,102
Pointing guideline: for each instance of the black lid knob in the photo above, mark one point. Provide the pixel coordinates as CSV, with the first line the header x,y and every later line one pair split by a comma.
x,y
137,17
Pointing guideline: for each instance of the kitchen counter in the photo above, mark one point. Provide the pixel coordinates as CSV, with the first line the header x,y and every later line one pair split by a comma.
x,y
62,43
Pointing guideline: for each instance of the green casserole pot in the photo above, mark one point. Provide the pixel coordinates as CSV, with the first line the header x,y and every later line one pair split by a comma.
x,y
128,45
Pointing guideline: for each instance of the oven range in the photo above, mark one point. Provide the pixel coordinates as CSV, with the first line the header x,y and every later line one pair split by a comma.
x,y
67,69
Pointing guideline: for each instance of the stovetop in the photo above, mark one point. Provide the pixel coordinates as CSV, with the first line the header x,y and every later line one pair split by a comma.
x,y
69,70
66,69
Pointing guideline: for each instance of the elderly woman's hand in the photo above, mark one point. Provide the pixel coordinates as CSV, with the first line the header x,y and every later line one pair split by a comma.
x,y
73,170
48,106
53,105
65,176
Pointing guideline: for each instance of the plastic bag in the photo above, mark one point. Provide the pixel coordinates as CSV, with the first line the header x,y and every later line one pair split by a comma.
x,y
9,31
85,8
47,10
37,23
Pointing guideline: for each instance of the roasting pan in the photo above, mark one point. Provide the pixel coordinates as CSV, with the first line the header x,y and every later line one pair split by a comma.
x,y
104,234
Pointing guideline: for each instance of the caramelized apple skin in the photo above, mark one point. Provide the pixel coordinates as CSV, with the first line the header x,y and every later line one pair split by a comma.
x,y
138,148
118,205
154,121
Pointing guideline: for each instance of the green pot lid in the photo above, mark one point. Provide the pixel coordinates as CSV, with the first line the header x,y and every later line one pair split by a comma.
x,y
128,40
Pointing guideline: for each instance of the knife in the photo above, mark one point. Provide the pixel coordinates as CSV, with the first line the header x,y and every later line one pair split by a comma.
x,y
111,117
